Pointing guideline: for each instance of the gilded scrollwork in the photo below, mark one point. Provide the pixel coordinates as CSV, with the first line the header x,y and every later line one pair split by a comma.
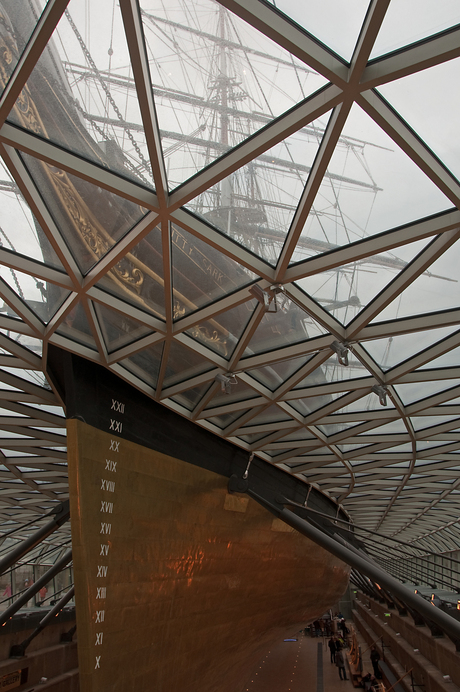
x,y
210,338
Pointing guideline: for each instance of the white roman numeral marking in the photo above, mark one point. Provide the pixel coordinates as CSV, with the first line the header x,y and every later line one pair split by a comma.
x,y
114,446
101,592
98,662
111,465
100,615
105,528
102,570
108,485
106,507
117,406
116,425
99,636
104,549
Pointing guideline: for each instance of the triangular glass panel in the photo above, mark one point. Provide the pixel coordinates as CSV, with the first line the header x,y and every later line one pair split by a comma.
x,y
216,81
34,345
91,219
298,436
289,325
251,439
317,21
431,292
389,352
423,445
255,204
334,428
238,392
409,97
43,298
118,329
274,375
225,419
313,403
28,238
100,120
146,364
447,360
404,23
222,332
273,414
451,402
18,23
202,274
7,311
346,290
347,449
421,390
394,427
190,398
332,371
183,364
75,326
138,278
423,423
370,402
370,186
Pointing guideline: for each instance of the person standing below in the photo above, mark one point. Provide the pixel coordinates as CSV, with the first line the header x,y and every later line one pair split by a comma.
x,y
375,658
340,663
332,648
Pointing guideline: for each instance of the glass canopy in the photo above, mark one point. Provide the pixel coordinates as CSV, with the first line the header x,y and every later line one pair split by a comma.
x,y
246,191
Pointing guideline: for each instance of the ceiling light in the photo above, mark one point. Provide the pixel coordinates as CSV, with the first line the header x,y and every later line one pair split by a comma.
x,y
265,299
342,351
226,382
381,392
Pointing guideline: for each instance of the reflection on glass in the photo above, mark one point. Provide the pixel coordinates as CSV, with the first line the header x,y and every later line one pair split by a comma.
x,y
138,278
17,22
43,298
255,204
226,419
191,397
145,364
238,392
288,325
34,345
90,218
221,334
274,375
216,81
118,329
75,327
202,274
183,364
81,94
272,414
